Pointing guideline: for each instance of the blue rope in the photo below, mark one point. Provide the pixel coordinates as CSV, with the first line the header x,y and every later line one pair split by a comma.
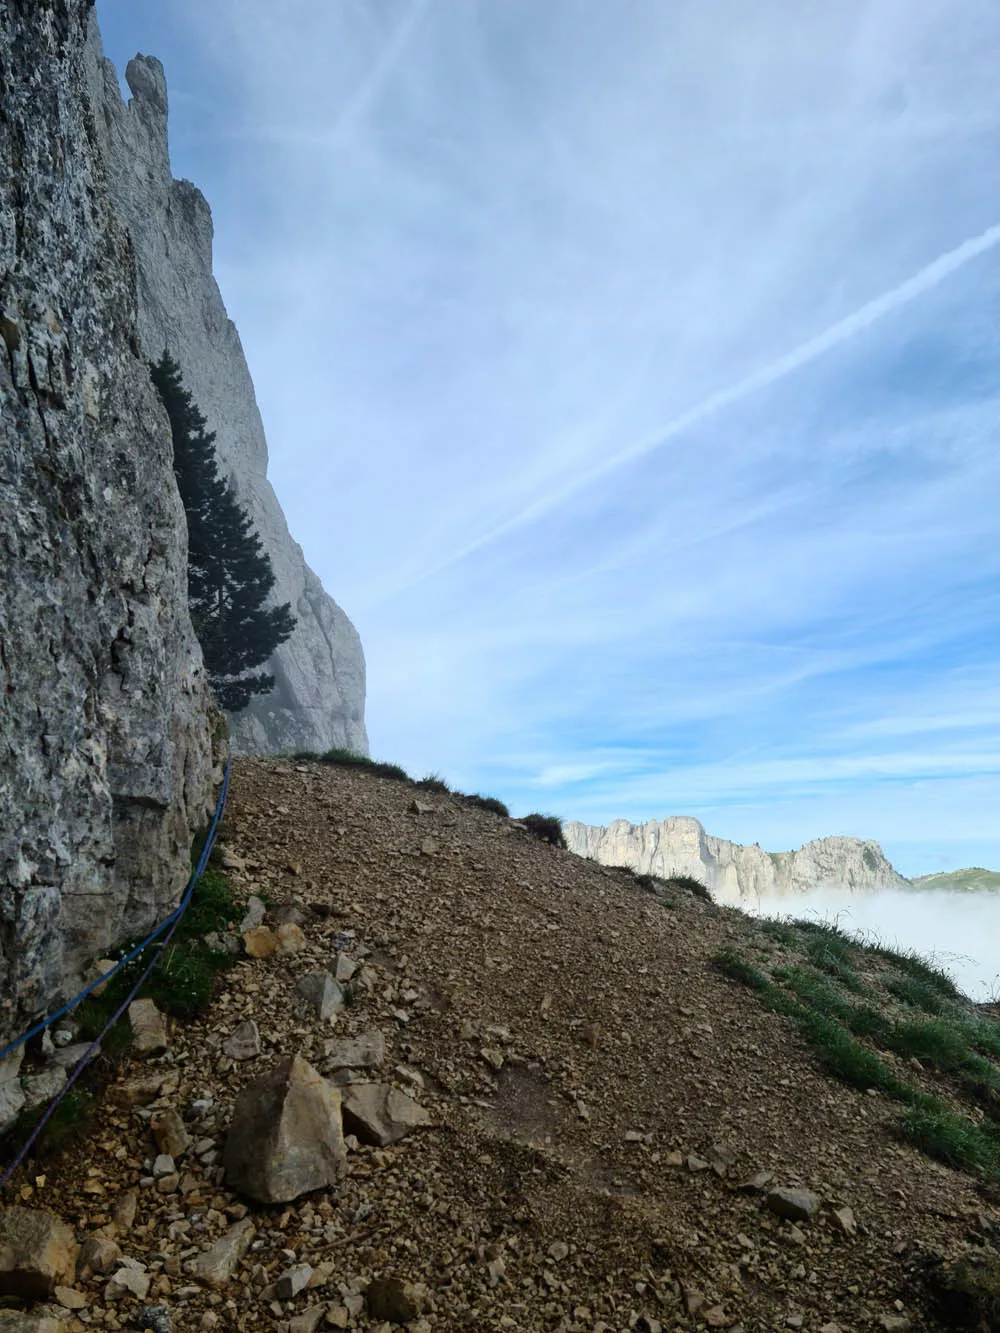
x,y
171,921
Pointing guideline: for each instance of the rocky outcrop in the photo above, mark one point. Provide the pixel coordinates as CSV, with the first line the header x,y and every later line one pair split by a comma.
x,y
105,725
318,699
680,846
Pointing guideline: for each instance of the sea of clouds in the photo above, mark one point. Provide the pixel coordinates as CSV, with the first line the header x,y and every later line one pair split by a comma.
x,y
958,932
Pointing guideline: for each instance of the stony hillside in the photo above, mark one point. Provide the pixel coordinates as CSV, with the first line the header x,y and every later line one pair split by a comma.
x,y
562,1111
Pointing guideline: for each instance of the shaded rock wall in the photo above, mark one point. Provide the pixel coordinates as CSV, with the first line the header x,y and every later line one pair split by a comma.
x,y
680,846
318,700
105,718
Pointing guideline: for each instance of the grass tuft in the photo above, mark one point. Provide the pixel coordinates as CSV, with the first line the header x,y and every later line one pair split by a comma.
x,y
489,803
910,963
780,931
734,965
342,758
692,885
547,828
435,784
952,1139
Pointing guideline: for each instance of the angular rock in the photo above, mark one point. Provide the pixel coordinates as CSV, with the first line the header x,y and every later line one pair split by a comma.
x,y
757,1183
128,1282
391,1298
136,1091
286,1136
291,938
324,994
346,968
216,1266
254,915
291,1282
169,1132
68,1057
243,1043
308,1321
364,1052
163,1166
98,1254
793,1204
379,1113
844,1220
123,1210
41,1088
11,1096
69,1298
149,1028
260,942
37,1253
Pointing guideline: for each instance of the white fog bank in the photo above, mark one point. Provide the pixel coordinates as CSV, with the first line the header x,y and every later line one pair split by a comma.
x,y
958,932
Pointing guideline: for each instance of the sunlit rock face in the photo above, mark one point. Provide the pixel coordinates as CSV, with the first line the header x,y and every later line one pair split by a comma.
x,y
735,874
318,700
105,717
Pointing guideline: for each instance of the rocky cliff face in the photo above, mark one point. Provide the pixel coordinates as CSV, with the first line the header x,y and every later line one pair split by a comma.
x,y
318,700
735,874
105,718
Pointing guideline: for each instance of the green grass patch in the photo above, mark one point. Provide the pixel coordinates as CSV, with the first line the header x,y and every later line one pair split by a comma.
x,y
692,885
910,963
435,784
733,964
847,1038
182,982
342,758
488,803
71,1120
952,1139
782,932
917,994
547,828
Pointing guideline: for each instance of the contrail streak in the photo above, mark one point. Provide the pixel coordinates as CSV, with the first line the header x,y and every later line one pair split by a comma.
x,y
874,310
358,104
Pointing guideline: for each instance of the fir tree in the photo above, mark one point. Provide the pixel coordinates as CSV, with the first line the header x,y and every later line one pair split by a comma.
x,y
229,573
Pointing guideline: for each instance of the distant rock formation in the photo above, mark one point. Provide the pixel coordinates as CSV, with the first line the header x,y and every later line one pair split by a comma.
x,y
735,874
105,715
973,879
319,695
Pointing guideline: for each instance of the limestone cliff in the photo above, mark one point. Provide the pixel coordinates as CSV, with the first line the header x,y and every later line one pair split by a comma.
x,y
318,700
680,846
105,717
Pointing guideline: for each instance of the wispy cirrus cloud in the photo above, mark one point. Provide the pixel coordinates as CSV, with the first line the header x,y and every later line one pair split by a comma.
x,y
630,378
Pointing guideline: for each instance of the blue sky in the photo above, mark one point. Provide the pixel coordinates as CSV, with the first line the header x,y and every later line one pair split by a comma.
x,y
630,377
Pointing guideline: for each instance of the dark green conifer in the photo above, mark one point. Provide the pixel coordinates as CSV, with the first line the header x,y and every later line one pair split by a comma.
x,y
229,573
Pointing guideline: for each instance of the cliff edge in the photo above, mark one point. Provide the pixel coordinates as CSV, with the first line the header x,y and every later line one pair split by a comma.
x,y
680,846
319,694
106,719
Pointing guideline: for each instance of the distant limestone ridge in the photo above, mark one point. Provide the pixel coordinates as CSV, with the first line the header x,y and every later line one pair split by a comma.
x,y
973,879
680,846
318,700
